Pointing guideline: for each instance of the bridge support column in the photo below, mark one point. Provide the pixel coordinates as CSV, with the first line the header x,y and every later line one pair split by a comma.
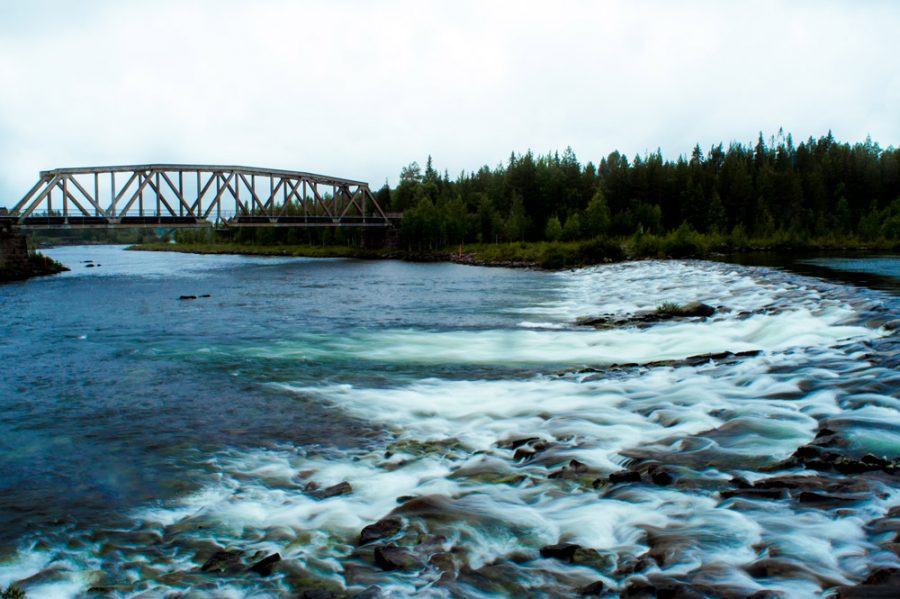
x,y
13,249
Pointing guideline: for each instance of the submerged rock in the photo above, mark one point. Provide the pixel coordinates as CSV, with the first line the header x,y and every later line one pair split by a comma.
x,y
265,566
884,582
223,562
342,488
393,557
624,476
659,475
595,588
371,592
560,551
384,528
575,471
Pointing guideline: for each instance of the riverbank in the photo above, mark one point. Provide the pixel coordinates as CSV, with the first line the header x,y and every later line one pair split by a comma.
x,y
36,265
550,255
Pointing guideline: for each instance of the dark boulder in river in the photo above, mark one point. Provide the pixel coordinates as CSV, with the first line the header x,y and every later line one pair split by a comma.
x,y
392,557
265,566
644,319
561,551
384,528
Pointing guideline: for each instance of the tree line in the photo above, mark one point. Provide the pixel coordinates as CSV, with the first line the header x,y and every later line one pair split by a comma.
x,y
817,188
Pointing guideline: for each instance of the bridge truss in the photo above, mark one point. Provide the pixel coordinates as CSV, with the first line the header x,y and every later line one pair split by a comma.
x,y
173,195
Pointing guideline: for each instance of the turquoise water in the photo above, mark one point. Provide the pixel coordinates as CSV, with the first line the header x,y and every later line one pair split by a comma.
x,y
884,266
141,433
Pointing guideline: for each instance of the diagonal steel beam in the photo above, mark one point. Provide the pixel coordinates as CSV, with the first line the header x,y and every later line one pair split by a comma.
x,y
40,197
84,192
178,193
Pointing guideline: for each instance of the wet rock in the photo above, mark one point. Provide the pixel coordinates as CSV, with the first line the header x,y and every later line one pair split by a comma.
x,y
587,556
560,551
659,587
595,588
46,576
497,579
372,592
629,565
527,448
342,488
696,309
392,557
882,583
384,528
829,452
187,297
428,506
443,561
265,566
223,562
576,466
659,475
516,443
624,476
415,447
647,318
767,594
489,470
89,265
741,482
783,568
574,471
524,454
825,500
317,594
593,321
753,493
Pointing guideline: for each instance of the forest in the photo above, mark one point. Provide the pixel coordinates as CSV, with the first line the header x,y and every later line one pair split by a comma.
x,y
554,211
775,189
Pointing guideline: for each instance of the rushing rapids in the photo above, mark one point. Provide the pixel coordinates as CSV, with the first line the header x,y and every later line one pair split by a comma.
x,y
513,452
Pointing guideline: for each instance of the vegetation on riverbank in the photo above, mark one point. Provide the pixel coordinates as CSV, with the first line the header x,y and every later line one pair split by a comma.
x,y
37,265
551,211
681,243
772,190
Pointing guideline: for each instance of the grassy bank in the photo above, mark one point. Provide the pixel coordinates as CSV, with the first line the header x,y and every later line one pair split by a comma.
x,y
552,255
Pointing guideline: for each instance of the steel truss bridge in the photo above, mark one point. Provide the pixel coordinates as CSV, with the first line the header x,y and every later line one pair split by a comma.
x,y
177,195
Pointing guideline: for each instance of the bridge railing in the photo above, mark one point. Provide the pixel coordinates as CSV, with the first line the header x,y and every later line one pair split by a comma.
x,y
195,195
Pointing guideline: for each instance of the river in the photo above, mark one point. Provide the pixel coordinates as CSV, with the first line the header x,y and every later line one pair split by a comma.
x,y
152,444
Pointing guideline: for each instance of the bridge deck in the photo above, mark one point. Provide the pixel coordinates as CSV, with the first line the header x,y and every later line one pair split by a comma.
x,y
189,195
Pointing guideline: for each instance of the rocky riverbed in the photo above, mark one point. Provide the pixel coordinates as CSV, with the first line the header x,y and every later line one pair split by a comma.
x,y
747,449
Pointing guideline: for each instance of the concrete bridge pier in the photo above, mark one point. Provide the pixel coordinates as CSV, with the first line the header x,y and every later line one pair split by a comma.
x,y
13,249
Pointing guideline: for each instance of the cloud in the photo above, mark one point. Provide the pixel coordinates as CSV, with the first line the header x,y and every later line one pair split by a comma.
x,y
357,89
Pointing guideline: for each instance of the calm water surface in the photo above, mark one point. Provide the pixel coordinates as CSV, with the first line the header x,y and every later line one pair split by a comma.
x,y
141,433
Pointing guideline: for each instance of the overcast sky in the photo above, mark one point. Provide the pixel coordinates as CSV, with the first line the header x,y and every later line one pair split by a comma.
x,y
358,89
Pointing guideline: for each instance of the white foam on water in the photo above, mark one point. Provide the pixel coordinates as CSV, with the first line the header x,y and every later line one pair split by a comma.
x,y
533,347
630,287
450,438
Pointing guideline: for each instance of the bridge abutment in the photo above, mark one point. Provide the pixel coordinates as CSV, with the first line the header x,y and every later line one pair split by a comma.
x,y
13,249
15,261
